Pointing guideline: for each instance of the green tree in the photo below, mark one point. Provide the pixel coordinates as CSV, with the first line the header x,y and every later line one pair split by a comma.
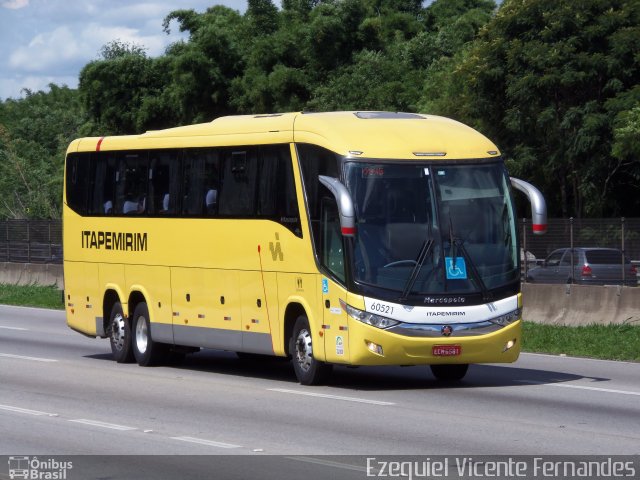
x,y
34,134
114,87
547,80
375,81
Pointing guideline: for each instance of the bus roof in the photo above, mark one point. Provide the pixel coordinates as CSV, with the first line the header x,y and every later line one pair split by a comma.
x,y
385,135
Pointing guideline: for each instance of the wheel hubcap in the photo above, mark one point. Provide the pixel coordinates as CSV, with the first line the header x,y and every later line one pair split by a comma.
x,y
142,336
304,352
117,331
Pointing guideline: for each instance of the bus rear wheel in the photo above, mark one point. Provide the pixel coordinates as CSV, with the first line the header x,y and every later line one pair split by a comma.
x,y
120,335
309,371
450,373
146,351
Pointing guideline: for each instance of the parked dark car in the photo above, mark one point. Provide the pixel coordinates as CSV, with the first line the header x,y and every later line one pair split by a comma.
x,y
591,266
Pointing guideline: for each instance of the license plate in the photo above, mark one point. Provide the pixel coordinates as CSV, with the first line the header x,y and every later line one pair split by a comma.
x,y
446,350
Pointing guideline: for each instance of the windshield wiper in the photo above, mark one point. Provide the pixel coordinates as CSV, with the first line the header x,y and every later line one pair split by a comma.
x,y
458,244
427,245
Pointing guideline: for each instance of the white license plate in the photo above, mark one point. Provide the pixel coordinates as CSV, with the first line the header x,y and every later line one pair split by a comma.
x,y
446,350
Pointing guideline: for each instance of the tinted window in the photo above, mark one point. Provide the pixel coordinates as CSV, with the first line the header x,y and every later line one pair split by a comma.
x,y
566,259
104,193
200,182
164,185
315,161
332,246
238,194
78,181
131,183
603,257
242,182
276,188
553,260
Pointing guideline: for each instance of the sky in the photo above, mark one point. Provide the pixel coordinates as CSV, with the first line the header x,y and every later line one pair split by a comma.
x,y
49,41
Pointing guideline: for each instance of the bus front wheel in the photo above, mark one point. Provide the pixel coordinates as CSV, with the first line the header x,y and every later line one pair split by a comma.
x,y
120,335
449,373
309,370
146,351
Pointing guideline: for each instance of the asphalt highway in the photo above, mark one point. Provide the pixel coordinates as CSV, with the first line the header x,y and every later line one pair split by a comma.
x,y
62,394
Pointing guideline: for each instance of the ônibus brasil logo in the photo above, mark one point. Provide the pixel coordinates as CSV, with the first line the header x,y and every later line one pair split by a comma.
x,y
33,468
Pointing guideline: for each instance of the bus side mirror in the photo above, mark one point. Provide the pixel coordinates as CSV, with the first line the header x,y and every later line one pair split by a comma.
x,y
346,209
538,205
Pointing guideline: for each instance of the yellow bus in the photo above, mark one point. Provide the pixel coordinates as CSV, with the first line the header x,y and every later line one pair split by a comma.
x,y
344,238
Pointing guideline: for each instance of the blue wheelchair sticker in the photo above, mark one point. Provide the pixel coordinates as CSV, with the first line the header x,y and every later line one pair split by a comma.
x,y
325,285
457,271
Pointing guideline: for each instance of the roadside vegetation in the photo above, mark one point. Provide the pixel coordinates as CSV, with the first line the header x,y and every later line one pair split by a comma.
x,y
554,83
607,342
31,296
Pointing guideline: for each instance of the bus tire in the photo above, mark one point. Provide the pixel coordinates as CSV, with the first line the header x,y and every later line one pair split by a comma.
x,y
450,373
309,371
120,335
145,350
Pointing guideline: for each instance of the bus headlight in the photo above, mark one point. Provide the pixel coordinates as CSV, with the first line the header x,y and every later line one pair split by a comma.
x,y
507,318
368,318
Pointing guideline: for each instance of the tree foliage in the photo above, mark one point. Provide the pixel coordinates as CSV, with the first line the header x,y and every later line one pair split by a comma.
x,y
555,83
549,81
34,135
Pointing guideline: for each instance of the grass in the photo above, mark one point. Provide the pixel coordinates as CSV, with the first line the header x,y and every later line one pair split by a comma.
x,y
31,296
607,342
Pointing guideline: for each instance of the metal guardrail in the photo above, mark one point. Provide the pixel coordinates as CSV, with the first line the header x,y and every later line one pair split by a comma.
x,y
31,241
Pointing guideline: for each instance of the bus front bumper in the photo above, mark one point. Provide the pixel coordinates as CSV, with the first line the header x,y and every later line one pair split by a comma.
x,y
373,346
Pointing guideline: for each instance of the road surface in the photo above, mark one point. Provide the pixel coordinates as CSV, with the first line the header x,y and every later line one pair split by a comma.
x,y
62,394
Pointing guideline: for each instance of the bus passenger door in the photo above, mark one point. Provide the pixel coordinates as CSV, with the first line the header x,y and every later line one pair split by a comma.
x,y
335,324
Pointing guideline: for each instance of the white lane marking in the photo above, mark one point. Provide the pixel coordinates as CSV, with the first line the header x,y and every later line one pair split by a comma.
x,y
333,397
581,387
22,357
96,423
569,357
27,411
210,443
327,463
13,328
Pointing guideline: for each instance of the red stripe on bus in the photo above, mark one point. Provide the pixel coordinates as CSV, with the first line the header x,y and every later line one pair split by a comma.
x,y
99,143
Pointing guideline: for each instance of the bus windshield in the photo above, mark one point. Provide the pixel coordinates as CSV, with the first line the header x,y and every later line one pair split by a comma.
x,y
433,229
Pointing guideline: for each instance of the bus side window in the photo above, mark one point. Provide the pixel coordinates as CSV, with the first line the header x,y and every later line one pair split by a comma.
x,y
191,184
78,182
277,198
237,196
211,158
104,186
332,241
315,161
200,181
132,182
163,182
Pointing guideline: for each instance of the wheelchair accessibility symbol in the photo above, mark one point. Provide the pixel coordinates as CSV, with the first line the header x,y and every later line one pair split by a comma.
x,y
457,270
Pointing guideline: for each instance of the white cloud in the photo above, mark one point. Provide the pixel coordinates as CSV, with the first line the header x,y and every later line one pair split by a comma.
x,y
51,40
48,52
15,4
63,49
98,35
12,87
